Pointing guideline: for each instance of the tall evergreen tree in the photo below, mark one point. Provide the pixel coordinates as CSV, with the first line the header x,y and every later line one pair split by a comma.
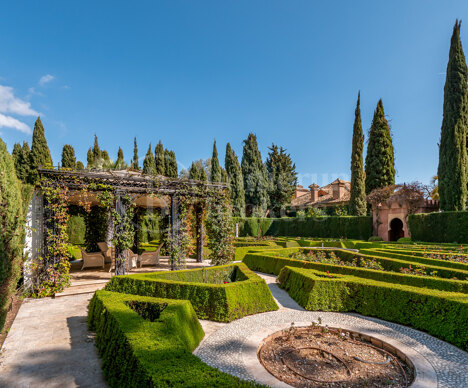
x,y
68,156
235,181
380,165
135,162
283,178
17,155
79,165
197,171
170,164
40,153
120,162
159,156
357,201
215,167
256,183
452,172
97,158
148,162
97,153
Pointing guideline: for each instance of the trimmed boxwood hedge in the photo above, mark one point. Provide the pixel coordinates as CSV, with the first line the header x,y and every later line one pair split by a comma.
x,y
442,314
248,294
138,353
273,263
330,227
444,227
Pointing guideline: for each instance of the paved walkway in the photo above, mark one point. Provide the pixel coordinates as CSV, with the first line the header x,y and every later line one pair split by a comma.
x,y
230,348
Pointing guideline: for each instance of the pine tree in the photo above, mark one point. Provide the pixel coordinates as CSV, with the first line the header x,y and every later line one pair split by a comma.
x,y
380,167
215,167
357,201
453,164
235,181
148,162
68,157
159,156
135,163
120,162
283,179
40,154
170,164
255,178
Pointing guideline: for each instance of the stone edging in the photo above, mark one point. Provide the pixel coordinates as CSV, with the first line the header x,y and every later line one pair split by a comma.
x,y
425,375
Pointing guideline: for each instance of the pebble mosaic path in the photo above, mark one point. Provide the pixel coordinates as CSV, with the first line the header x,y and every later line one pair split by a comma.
x,y
226,348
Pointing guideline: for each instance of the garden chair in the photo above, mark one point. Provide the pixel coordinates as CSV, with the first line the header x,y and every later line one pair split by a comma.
x,y
131,260
106,250
150,257
93,259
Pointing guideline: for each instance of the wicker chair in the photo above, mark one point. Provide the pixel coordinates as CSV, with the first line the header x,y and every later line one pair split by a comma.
x,y
93,259
131,260
150,257
106,250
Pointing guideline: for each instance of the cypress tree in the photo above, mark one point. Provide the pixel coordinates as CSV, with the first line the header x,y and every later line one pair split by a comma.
x,y
79,165
170,164
40,154
90,158
159,156
357,201
255,178
68,156
380,167
148,162
106,160
235,181
135,164
197,171
17,155
215,167
120,162
283,178
452,171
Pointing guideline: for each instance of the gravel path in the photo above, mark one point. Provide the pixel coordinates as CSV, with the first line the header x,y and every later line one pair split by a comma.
x,y
226,348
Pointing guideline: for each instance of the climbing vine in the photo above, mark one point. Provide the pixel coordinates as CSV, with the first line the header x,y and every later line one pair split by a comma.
x,y
52,271
124,232
219,227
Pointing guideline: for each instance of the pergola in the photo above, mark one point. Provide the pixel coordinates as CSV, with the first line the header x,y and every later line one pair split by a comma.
x,y
120,189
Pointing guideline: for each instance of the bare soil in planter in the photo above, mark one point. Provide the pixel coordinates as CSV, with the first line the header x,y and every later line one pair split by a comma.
x,y
325,357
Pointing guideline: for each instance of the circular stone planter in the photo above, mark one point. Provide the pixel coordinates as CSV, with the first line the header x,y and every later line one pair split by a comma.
x,y
233,348
425,376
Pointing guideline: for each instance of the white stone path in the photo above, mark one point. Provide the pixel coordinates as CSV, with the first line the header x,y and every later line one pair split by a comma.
x,y
232,348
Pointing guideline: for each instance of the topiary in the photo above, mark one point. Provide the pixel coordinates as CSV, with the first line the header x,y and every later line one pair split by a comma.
x,y
375,238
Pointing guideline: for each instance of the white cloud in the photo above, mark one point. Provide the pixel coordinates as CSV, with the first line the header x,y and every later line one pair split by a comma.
x,y
11,104
11,122
45,79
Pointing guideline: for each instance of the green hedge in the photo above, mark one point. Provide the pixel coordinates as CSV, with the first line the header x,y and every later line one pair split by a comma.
x,y
249,294
11,230
444,227
331,227
273,263
76,229
138,353
442,314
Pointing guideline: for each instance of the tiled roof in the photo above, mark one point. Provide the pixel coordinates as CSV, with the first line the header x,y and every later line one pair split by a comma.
x,y
327,198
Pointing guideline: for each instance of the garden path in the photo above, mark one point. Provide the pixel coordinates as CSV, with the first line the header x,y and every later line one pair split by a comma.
x,y
233,347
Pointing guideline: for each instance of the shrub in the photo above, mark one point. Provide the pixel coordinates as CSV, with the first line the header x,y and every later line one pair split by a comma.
x,y
273,263
404,240
442,314
444,227
222,293
76,230
330,227
11,230
375,238
136,352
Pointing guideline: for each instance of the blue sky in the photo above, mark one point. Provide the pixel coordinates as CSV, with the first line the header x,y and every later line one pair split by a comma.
x,y
187,72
